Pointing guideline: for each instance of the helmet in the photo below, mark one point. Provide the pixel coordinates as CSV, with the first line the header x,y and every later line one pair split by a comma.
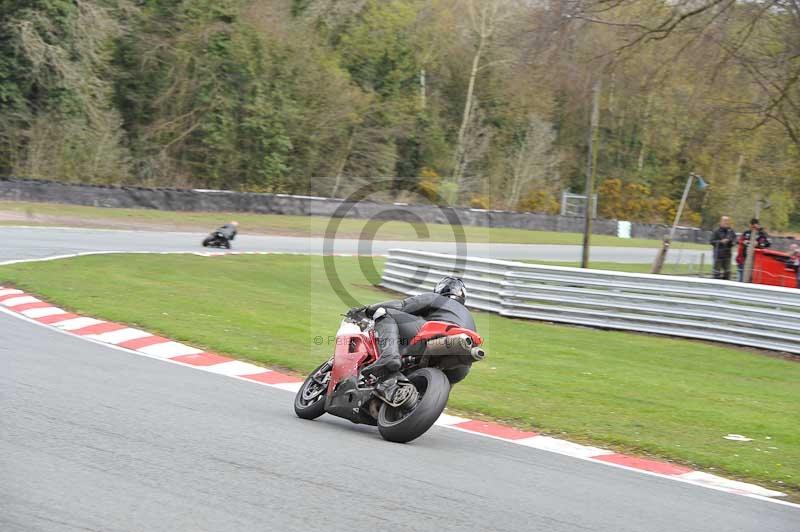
x,y
452,287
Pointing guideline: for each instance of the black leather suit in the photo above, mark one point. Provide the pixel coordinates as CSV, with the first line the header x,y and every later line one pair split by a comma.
x,y
405,317
228,231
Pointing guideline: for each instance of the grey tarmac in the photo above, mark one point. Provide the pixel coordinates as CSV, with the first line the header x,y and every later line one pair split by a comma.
x,y
39,242
94,438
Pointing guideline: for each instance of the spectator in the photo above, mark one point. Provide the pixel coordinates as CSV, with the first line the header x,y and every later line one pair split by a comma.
x,y
762,242
723,239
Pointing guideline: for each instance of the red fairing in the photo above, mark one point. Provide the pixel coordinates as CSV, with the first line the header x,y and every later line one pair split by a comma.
x,y
352,352
437,329
773,268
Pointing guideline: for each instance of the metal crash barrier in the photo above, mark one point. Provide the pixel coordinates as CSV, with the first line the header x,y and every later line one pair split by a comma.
x,y
766,317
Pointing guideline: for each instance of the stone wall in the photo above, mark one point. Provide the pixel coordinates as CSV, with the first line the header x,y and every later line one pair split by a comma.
x,y
227,201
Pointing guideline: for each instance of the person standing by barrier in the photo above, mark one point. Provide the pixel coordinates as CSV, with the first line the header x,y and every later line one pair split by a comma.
x,y
723,239
762,242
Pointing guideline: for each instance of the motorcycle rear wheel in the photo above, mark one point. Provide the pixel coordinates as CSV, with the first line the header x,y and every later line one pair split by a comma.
x,y
400,425
309,403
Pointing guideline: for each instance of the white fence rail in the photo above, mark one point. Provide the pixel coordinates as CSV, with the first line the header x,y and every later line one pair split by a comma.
x,y
759,316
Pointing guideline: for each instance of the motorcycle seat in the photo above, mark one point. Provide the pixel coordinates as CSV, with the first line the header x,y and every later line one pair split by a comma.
x,y
437,329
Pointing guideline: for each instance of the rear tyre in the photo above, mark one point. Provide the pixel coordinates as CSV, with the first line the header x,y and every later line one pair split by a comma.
x,y
226,244
206,242
401,425
309,403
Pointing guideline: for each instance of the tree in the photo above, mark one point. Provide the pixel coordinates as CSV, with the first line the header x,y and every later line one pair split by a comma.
x,y
57,118
484,20
531,160
321,96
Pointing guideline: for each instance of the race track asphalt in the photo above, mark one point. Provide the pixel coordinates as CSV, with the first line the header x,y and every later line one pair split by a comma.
x,y
93,438
40,242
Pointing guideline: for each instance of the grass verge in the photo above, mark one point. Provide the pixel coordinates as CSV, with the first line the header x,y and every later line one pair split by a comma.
x,y
53,214
670,268
669,398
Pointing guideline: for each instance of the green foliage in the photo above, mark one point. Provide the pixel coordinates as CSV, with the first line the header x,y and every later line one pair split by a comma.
x,y
480,202
540,202
316,96
781,205
378,50
636,202
56,113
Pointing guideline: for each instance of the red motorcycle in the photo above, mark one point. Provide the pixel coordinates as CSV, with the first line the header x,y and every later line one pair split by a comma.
x,y
440,355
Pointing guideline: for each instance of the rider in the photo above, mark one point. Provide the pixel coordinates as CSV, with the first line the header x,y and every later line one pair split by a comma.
x,y
229,230
400,321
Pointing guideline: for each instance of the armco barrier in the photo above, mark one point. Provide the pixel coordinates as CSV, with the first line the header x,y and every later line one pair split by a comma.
x,y
759,316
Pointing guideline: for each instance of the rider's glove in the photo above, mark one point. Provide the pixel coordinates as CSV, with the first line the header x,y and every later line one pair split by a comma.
x,y
355,311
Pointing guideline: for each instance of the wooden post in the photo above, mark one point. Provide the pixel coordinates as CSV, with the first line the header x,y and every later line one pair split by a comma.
x,y
751,247
590,170
423,90
658,264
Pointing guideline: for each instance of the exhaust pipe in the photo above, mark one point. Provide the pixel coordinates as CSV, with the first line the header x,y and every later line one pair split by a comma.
x,y
449,345
477,354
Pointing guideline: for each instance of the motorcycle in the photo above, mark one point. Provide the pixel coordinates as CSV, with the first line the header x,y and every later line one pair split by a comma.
x,y
217,240
403,408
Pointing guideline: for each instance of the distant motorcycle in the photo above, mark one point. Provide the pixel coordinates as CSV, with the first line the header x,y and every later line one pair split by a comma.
x,y
416,401
216,240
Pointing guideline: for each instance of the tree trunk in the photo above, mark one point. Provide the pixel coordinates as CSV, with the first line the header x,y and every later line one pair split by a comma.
x,y
458,170
342,165
516,184
591,163
643,143
423,90
739,170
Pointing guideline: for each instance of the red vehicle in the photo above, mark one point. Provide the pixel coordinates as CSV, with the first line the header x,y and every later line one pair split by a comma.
x,y
773,268
338,388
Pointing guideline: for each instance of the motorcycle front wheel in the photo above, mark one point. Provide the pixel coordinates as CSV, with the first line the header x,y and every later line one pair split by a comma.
x,y
402,424
309,403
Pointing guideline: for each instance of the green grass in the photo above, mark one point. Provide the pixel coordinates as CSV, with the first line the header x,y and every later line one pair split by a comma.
x,y
661,397
22,213
669,268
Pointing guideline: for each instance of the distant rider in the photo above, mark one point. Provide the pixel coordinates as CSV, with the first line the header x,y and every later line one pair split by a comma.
x,y
229,230
401,320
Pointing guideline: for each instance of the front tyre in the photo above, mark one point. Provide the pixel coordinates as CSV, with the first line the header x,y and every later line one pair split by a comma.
x,y
309,403
401,425
207,242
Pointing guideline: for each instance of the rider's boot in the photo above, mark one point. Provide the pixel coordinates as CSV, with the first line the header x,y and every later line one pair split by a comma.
x,y
390,384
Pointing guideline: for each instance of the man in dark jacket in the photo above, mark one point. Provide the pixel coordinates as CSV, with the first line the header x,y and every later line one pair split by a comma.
x,y
723,239
397,322
762,242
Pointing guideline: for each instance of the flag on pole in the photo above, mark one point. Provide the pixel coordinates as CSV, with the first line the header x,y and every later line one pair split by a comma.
x,y
701,184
